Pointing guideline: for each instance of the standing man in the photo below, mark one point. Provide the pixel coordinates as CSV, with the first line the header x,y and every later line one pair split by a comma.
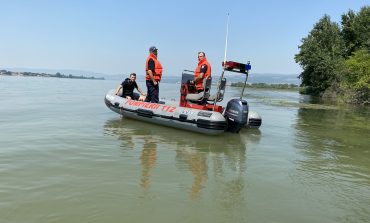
x,y
128,86
202,71
153,75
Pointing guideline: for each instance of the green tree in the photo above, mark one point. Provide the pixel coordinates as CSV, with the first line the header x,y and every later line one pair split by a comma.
x,y
358,73
320,53
356,30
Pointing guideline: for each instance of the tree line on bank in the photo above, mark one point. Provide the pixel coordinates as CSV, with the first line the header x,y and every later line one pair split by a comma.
x,y
58,75
336,58
265,85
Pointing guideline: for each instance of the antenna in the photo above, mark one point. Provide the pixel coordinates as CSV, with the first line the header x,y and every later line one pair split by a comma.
x,y
227,35
224,64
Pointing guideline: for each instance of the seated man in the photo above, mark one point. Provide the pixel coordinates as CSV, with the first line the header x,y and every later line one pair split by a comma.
x,y
128,86
202,79
203,70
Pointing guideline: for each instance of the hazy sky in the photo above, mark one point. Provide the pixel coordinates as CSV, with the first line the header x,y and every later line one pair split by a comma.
x,y
113,37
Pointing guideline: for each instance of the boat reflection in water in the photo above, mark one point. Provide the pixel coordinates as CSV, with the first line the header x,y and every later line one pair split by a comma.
x,y
222,158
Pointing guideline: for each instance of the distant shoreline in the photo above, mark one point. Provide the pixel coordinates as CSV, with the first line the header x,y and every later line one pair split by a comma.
x,y
269,86
57,75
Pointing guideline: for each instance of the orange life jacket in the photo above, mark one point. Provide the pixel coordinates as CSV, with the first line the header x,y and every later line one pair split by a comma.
x,y
157,74
199,83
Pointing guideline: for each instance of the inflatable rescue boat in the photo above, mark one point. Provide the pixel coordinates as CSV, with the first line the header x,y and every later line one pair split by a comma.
x,y
197,112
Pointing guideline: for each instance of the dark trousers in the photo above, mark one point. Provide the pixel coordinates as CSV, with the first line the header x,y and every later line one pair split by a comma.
x,y
153,92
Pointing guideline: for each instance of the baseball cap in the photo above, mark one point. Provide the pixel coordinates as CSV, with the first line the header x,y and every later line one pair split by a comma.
x,y
152,49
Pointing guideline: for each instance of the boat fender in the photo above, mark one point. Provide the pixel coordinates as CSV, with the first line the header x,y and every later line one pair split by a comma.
x,y
208,124
183,117
144,113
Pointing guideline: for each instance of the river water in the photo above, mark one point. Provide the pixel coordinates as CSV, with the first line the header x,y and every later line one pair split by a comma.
x,y
65,157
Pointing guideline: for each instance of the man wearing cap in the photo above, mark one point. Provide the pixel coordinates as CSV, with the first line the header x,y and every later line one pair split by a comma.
x,y
153,75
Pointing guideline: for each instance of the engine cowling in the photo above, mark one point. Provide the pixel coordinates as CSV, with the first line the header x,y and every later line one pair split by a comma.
x,y
236,114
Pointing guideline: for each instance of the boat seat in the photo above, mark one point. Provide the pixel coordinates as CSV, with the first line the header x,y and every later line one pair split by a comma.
x,y
220,95
201,95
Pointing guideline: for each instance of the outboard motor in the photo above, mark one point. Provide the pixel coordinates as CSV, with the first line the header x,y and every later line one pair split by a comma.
x,y
236,114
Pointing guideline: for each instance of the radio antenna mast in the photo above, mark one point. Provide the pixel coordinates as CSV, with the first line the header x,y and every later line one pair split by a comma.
x,y
224,64
227,35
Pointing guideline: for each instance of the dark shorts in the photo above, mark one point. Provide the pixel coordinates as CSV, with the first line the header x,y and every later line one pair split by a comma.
x,y
134,96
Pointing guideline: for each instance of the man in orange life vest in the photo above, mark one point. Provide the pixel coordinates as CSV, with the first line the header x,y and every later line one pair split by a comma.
x,y
153,75
202,71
